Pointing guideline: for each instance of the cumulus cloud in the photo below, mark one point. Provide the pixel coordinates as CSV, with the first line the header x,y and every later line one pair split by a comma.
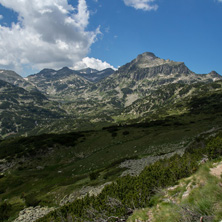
x,y
92,63
1,17
146,5
49,33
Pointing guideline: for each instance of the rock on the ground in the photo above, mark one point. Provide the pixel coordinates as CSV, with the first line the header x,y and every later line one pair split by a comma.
x,y
135,167
31,214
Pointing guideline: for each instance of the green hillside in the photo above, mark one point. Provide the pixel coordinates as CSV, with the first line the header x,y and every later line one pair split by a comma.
x,y
41,170
129,193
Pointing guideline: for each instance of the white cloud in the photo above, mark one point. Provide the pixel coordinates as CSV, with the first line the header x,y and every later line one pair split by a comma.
x,y
146,5
1,17
49,33
92,63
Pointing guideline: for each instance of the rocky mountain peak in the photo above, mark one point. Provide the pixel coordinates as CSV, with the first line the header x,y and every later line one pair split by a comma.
x,y
214,74
146,56
46,71
87,71
65,69
15,79
149,59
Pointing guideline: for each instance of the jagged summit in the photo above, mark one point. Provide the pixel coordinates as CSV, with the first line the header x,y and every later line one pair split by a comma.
x,y
46,70
65,69
214,74
87,71
146,56
149,59
15,79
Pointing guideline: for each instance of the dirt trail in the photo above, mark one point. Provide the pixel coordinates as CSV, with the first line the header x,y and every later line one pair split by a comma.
x,y
217,171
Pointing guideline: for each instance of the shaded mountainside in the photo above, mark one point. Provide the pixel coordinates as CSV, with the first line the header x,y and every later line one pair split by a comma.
x,y
47,169
119,199
15,79
21,110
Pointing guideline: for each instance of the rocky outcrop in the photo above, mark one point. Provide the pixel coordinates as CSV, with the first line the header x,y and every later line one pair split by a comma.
x,y
31,214
5,165
91,191
135,167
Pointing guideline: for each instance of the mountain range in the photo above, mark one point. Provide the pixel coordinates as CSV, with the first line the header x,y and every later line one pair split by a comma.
x,y
93,145
136,90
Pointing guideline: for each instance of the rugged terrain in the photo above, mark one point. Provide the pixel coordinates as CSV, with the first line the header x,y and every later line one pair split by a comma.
x,y
90,99
42,170
15,79
22,111
192,199
75,131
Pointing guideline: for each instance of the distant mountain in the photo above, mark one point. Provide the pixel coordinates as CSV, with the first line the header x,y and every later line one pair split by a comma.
x,y
146,73
87,71
120,88
132,89
63,82
94,75
67,82
146,86
15,79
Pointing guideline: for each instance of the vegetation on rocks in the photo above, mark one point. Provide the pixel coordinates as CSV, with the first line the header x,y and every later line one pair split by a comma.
x,y
129,193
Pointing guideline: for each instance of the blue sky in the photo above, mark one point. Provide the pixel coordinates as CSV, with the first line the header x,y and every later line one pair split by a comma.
x,y
35,34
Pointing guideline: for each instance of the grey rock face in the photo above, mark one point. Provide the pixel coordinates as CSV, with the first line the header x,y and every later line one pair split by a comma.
x,y
32,214
95,75
67,81
91,191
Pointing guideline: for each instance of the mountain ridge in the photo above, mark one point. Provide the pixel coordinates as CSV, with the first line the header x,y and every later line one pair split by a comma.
x,y
15,79
136,90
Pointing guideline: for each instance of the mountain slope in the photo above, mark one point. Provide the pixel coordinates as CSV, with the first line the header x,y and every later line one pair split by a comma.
x,y
66,82
171,99
60,165
191,199
147,73
120,89
95,75
15,79
21,110
118,200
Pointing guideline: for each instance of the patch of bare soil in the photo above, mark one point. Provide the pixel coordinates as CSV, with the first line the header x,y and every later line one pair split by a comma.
x,y
217,170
